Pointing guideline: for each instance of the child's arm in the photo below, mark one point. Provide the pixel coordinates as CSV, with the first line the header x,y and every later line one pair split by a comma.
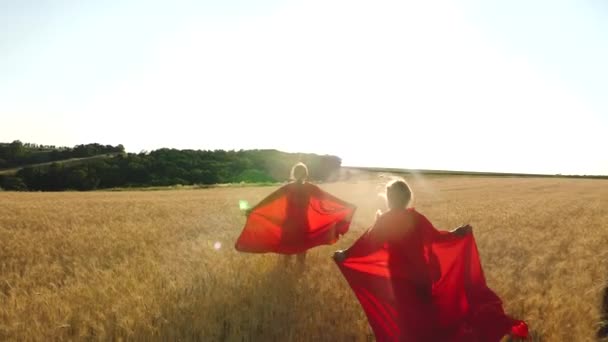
x,y
325,195
268,199
383,231
453,234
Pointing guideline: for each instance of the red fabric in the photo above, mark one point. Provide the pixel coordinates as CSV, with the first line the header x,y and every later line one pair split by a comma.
x,y
416,283
293,219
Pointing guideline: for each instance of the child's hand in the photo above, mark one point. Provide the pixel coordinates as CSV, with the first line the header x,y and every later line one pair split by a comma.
x,y
339,256
463,230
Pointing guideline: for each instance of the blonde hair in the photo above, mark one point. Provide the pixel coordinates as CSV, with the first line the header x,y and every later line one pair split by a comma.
x,y
299,172
398,194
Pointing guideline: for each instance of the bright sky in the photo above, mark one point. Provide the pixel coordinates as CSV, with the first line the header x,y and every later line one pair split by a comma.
x,y
512,86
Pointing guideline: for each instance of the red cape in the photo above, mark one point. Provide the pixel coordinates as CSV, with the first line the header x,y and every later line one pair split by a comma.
x,y
427,286
294,219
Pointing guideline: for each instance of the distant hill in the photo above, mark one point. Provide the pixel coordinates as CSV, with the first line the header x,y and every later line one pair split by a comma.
x,y
65,162
94,166
18,154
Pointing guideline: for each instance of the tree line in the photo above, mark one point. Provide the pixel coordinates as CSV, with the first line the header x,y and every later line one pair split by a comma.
x,y
165,167
16,153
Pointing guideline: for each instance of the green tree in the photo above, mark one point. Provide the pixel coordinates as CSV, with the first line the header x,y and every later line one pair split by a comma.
x,y
12,183
16,151
254,176
77,179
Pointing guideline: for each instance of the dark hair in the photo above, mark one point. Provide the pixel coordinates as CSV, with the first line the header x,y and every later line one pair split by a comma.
x,y
398,194
299,172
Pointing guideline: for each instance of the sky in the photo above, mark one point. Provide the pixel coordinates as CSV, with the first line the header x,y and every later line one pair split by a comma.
x,y
505,86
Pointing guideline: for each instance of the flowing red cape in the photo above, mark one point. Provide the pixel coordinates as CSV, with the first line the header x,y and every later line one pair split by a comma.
x,y
458,305
294,219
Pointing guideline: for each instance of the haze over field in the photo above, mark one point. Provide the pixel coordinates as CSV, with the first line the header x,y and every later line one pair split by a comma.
x,y
137,137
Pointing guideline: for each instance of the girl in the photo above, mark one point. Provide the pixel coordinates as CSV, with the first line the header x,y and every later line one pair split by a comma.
x,y
295,218
417,283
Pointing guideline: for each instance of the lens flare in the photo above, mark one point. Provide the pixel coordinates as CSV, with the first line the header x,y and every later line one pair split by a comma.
x,y
243,205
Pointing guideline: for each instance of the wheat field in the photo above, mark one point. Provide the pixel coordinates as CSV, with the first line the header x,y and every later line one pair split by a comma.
x,y
160,265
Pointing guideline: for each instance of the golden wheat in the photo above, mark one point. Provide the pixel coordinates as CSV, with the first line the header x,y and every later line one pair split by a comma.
x,y
148,265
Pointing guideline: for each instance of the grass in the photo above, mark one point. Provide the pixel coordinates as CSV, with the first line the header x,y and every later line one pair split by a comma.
x,y
143,265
